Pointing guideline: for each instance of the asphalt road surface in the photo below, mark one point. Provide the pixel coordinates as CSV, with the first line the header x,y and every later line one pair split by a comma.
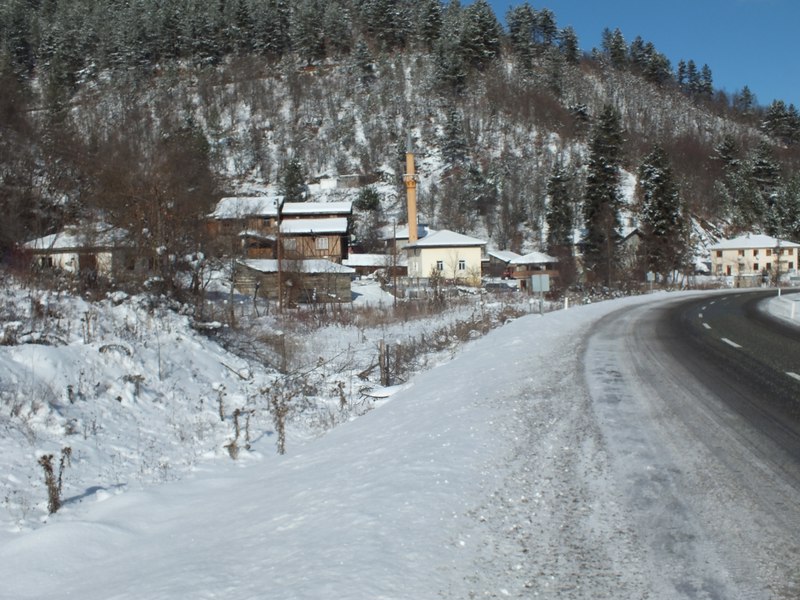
x,y
698,401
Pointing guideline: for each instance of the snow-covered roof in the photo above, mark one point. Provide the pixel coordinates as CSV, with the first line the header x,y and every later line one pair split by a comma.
x,y
753,241
503,255
317,208
79,237
446,238
400,232
311,226
375,260
534,258
239,207
309,265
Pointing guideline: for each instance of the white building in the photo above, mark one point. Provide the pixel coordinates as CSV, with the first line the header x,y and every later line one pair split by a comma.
x,y
750,257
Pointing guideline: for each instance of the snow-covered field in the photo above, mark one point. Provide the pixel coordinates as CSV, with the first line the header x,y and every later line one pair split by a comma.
x,y
484,476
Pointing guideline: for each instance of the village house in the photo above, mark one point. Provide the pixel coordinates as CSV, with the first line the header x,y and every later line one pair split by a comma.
x,y
310,280
751,259
534,263
450,255
498,265
385,265
248,226
98,249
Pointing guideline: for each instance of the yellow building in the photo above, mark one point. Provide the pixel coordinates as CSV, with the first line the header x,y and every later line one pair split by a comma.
x,y
752,257
448,254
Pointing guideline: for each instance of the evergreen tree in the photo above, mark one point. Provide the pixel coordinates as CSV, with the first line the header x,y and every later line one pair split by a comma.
x,y
745,101
521,22
569,46
706,82
664,223
308,32
454,145
560,211
602,198
546,31
429,20
293,182
364,64
614,47
480,36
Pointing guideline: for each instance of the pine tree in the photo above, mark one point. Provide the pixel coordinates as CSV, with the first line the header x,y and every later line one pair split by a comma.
x,y
560,211
521,22
745,101
454,145
480,36
664,223
602,200
292,182
614,47
568,42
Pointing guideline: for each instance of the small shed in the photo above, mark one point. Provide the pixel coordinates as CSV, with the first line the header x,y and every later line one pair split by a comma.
x,y
499,263
310,280
97,249
367,264
534,263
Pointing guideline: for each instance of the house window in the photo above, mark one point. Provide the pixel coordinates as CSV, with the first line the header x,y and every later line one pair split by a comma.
x,y
290,244
719,269
769,251
769,266
719,253
439,265
741,252
755,266
755,252
462,264
322,243
728,270
791,265
790,251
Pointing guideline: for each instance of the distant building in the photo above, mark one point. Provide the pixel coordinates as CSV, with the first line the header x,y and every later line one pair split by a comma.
x,y
309,281
534,263
752,258
454,256
98,249
248,226
499,263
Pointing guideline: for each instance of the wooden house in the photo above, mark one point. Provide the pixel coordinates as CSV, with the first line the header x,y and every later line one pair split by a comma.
x,y
534,263
97,249
307,281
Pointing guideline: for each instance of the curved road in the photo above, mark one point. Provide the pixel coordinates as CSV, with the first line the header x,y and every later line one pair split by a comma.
x,y
699,406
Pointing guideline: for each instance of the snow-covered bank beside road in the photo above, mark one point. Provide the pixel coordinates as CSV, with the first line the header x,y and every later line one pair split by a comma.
x,y
488,476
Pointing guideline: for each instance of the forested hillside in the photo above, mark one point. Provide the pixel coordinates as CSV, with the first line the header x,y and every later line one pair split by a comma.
x,y
145,112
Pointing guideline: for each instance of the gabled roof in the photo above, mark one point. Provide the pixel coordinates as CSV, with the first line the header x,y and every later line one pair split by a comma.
x,y
505,256
375,260
317,208
445,238
85,237
310,266
400,232
240,207
534,258
753,241
337,225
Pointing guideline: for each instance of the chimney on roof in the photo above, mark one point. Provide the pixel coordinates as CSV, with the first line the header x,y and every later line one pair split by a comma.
x,y
411,192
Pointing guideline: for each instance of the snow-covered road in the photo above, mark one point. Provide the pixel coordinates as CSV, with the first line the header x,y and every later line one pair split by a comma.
x,y
544,461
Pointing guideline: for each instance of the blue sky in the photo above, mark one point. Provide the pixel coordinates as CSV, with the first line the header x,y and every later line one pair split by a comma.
x,y
745,42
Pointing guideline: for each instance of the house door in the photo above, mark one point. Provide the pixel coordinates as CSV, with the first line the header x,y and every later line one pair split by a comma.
x,y
87,262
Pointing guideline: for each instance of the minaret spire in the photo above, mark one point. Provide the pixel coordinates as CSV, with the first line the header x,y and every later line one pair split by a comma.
x,y
411,191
